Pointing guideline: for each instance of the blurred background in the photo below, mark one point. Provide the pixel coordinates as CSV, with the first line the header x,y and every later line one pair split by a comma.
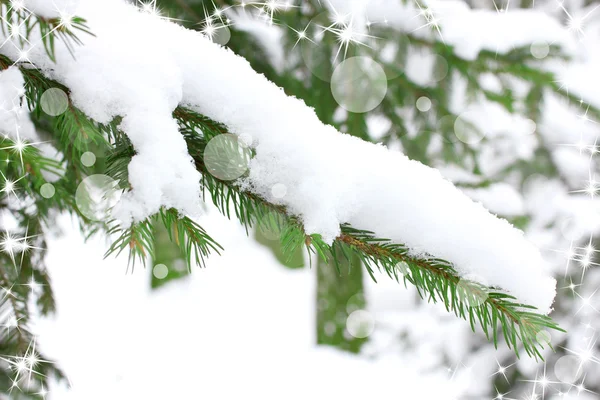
x,y
501,96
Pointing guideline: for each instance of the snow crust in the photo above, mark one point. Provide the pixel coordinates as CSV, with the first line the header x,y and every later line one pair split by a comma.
x,y
141,67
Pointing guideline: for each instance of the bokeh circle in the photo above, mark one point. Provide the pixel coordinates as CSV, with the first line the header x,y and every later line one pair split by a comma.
x,y
423,104
96,195
160,271
539,50
221,34
471,293
359,84
88,159
226,157
54,102
465,129
568,369
360,324
47,190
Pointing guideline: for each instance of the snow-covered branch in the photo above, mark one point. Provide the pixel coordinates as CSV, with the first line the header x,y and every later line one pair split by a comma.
x,y
141,67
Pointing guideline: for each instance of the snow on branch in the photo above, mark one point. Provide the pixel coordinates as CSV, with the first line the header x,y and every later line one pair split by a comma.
x,y
141,68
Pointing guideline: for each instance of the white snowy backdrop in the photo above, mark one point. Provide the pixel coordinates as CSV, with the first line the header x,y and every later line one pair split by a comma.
x,y
244,326
246,330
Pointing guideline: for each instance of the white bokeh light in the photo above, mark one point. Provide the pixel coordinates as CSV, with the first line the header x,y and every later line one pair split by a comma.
x,y
54,102
359,84
226,157
88,159
539,50
96,196
47,190
160,271
568,369
279,190
423,104
465,128
360,324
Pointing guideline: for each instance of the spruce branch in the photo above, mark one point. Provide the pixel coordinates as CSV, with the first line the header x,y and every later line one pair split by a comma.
x,y
138,240
189,236
436,280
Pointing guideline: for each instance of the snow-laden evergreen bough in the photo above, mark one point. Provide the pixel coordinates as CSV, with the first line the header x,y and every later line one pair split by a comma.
x,y
155,94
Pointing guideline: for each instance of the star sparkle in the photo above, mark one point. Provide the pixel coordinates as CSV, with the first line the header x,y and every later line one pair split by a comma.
x,y
431,20
270,8
347,34
502,370
586,303
502,396
571,286
13,245
543,382
302,35
26,367
576,24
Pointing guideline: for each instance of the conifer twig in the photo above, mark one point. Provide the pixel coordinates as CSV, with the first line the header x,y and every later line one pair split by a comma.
x,y
435,279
